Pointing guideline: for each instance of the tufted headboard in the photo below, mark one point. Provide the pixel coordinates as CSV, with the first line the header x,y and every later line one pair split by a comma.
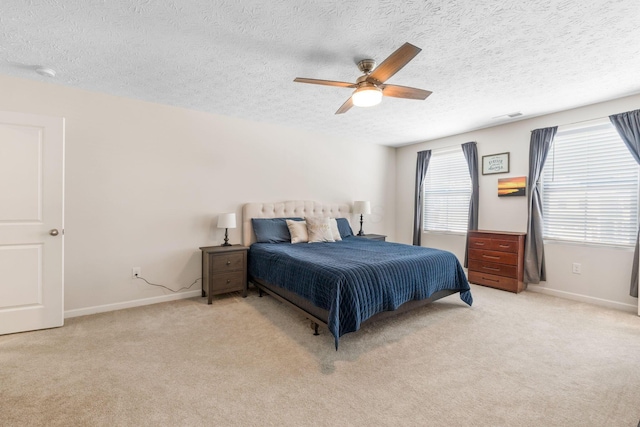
x,y
294,208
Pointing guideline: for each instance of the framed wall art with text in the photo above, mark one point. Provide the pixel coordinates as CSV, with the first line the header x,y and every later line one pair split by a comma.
x,y
495,163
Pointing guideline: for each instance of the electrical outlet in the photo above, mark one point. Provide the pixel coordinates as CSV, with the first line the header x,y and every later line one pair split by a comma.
x,y
577,268
135,272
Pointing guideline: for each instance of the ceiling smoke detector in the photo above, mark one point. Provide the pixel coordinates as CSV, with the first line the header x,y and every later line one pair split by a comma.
x,y
46,72
508,116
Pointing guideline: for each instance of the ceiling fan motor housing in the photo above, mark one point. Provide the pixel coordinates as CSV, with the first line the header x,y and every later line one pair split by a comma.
x,y
366,65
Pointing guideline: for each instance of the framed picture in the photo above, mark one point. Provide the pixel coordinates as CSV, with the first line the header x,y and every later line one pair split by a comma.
x,y
510,187
495,163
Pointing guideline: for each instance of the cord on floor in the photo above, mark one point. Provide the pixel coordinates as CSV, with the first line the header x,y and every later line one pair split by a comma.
x,y
169,289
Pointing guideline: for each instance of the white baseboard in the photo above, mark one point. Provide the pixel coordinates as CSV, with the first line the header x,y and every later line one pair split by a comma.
x,y
129,304
583,298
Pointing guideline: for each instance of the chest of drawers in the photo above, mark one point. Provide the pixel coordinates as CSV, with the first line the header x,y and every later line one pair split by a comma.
x,y
496,259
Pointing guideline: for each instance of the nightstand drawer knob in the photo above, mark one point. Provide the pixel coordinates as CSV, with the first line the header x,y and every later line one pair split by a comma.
x,y
228,262
228,281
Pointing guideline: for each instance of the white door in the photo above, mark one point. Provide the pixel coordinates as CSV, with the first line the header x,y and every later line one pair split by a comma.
x,y
31,222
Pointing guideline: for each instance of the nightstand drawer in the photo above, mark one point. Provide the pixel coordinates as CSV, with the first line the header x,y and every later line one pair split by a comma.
x,y
494,256
227,262
496,269
227,282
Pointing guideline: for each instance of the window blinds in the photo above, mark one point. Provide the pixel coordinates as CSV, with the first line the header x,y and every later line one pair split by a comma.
x,y
447,190
590,187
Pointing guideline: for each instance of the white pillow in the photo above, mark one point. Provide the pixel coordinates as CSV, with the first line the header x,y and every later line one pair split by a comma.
x,y
319,229
298,231
334,229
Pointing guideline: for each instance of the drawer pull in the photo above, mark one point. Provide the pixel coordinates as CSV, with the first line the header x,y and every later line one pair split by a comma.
x,y
490,280
228,262
228,281
490,268
505,246
490,256
479,243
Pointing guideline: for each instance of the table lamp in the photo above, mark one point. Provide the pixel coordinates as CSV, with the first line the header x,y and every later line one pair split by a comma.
x,y
226,221
362,208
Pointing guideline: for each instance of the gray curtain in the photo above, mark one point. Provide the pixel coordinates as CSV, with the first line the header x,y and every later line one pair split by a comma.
x,y
470,151
421,172
534,266
628,126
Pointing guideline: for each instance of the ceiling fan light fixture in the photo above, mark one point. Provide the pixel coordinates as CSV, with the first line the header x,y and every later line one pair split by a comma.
x,y
367,96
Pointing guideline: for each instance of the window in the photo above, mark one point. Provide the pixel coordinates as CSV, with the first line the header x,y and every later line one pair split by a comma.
x,y
590,187
447,190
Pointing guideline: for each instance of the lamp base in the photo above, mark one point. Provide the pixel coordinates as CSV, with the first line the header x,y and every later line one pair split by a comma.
x,y
226,238
361,233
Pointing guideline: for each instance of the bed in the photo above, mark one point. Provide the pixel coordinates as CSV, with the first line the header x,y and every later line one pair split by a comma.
x,y
345,283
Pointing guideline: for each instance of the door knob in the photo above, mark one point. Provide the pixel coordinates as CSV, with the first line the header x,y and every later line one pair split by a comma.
x,y
53,232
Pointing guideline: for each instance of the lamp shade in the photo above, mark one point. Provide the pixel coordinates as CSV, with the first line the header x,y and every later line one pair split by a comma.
x,y
366,96
361,207
227,220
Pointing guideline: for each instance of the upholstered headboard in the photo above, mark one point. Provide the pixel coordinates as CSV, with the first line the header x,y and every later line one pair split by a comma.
x,y
294,208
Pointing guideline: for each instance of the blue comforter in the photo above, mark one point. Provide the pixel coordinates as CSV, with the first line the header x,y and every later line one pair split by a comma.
x,y
356,278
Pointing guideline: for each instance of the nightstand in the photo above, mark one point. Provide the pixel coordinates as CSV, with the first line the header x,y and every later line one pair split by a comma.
x,y
224,269
380,237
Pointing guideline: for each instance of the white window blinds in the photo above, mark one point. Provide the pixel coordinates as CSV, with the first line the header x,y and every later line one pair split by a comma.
x,y
590,187
447,190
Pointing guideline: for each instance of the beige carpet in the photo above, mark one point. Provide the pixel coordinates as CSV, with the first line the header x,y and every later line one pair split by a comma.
x,y
510,360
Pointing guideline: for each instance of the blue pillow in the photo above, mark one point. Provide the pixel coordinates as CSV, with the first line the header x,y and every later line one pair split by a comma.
x,y
344,228
272,230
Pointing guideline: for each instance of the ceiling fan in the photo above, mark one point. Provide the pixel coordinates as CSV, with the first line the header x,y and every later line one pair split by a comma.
x,y
370,87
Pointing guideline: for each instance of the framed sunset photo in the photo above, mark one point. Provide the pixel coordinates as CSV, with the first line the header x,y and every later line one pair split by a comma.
x,y
511,187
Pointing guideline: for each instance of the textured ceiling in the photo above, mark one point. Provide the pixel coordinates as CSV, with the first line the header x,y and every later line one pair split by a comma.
x,y
481,59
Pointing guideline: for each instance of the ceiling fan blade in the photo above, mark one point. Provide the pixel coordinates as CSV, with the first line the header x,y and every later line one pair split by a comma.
x,y
324,82
404,92
393,63
345,107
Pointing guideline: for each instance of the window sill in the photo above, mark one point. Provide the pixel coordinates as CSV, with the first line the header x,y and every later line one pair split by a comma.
x,y
588,245
442,233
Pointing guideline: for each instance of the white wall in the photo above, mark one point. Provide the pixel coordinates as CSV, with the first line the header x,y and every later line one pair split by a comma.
x,y
605,271
144,183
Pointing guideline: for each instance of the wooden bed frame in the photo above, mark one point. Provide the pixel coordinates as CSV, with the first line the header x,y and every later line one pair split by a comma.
x,y
302,208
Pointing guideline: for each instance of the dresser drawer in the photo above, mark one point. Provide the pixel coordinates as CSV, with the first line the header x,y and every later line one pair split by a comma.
x,y
504,245
510,258
500,282
227,262
479,243
505,270
227,282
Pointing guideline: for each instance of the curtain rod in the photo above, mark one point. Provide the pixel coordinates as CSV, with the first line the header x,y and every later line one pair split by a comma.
x,y
447,146
578,122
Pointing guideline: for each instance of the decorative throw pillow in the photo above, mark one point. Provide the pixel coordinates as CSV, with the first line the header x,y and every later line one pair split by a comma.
x,y
298,231
272,230
344,227
319,229
334,229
